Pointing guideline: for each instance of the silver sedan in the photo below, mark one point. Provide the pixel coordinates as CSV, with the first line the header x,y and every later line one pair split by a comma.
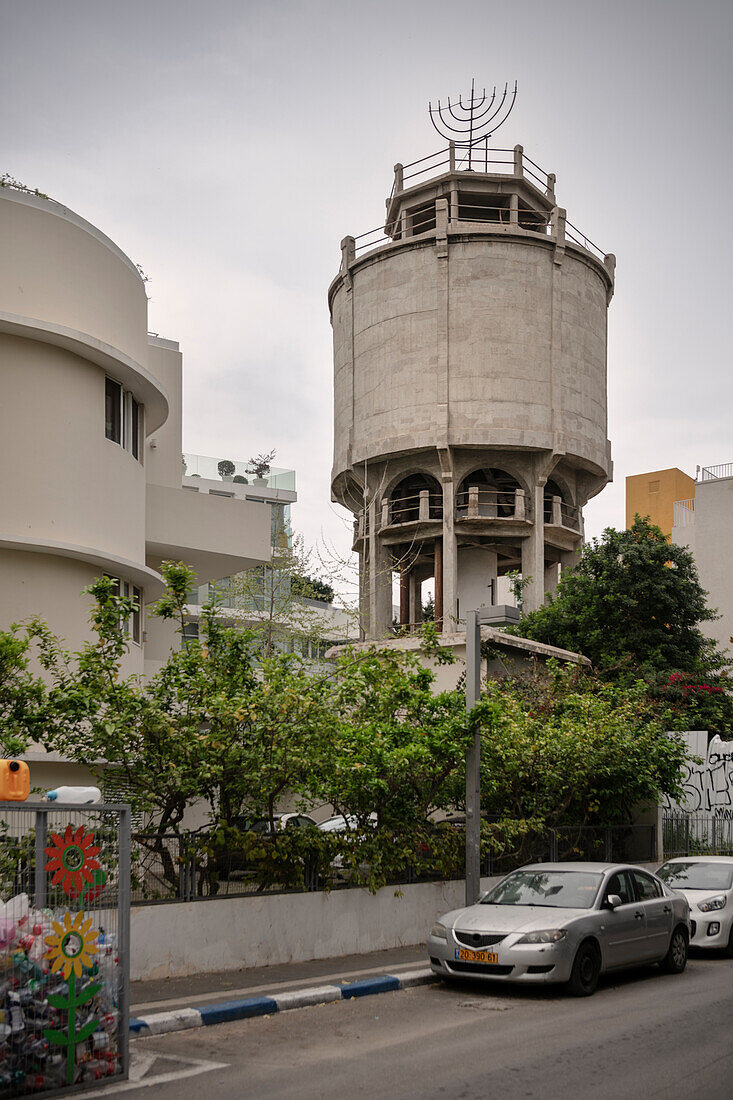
x,y
564,922
707,883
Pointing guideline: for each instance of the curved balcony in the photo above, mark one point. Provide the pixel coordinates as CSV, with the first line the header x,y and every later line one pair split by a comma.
x,y
562,515
476,503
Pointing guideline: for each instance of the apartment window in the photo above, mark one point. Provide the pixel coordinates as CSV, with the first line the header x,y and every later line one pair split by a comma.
x,y
113,410
133,626
123,417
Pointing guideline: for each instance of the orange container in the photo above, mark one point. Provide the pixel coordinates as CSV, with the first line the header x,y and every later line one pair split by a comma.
x,y
15,781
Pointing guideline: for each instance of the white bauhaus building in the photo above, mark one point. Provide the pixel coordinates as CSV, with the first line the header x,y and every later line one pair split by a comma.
x,y
90,437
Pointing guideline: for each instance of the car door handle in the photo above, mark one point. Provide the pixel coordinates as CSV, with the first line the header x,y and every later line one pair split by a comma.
x,y
638,916
668,909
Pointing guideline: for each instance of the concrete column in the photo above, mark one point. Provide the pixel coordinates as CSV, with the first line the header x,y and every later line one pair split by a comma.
x,y
441,227
454,212
473,502
451,156
556,511
438,574
568,560
518,160
520,504
380,580
405,599
364,592
557,220
385,512
424,512
398,179
415,602
551,180
348,253
533,554
551,578
514,209
450,558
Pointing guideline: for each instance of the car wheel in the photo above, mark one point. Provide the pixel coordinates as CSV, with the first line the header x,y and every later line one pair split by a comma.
x,y
675,961
585,972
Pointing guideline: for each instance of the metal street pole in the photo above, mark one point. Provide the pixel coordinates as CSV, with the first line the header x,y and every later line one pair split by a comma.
x,y
473,762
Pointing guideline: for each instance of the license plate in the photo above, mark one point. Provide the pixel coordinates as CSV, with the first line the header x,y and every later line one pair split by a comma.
x,y
464,955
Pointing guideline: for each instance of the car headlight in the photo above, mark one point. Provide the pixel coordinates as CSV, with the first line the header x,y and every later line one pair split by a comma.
x,y
710,904
439,931
548,935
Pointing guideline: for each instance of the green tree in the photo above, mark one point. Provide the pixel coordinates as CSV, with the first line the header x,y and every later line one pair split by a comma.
x,y
633,604
564,747
271,600
22,696
394,743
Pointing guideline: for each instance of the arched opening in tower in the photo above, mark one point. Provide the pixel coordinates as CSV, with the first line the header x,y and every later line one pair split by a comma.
x,y
487,494
416,497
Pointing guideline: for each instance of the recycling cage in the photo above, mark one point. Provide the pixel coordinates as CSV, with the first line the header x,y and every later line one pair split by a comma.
x,y
64,947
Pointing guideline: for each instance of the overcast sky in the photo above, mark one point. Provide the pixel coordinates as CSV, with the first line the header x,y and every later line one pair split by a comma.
x,y
228,146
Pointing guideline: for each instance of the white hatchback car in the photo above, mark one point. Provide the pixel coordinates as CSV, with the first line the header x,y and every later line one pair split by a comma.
x,y
707,883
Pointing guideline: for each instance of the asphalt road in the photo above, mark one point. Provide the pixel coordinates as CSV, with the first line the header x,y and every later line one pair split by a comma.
x,y
642,1035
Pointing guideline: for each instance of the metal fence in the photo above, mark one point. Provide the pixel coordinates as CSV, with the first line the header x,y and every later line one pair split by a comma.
x,y
697,835
64,946
170,867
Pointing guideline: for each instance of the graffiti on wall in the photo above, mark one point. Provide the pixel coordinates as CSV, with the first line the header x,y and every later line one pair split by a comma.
x,y
707,781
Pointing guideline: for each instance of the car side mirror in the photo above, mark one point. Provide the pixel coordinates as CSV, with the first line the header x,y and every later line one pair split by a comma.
x,y
613,901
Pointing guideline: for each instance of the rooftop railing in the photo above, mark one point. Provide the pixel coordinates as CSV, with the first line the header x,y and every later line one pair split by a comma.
x,y
509,212
207,467
712,473
684,513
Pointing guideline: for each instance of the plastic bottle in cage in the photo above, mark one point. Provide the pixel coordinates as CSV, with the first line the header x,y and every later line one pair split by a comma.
x,y
78,796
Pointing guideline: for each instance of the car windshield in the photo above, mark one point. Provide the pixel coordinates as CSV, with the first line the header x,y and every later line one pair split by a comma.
x,y
554,889
697,876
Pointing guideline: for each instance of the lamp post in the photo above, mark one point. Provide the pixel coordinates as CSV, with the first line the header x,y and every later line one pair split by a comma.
x,y
483,616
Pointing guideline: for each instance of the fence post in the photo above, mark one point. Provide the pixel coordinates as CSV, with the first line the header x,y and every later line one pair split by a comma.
x,y
182,871
687,835
123,941
714,838
608,844
553,845
41,841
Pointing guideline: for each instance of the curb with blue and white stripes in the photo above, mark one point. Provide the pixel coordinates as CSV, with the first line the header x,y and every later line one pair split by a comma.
x,y
180,1019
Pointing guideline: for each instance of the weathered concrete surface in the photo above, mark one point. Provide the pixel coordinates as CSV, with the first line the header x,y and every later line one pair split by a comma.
x,y
470,346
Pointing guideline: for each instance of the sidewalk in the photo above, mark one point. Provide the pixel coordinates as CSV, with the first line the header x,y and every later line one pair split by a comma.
x,y
176,1003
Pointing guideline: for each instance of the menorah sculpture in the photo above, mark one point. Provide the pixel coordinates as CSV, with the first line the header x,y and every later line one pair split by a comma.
x,y
477,120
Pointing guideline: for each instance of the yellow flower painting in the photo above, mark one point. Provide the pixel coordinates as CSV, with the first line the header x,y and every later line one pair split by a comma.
x,y
71,945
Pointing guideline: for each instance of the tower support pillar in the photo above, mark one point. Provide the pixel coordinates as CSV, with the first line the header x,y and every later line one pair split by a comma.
x,y
450,558
533,554
380,579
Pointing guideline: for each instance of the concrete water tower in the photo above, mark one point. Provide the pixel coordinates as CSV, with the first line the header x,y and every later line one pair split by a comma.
x,y
469,378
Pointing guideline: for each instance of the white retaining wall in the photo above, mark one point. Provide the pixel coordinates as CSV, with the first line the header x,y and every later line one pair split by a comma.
x,y
171,941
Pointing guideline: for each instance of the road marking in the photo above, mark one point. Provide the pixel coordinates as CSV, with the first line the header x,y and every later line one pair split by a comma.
x,y
141,1063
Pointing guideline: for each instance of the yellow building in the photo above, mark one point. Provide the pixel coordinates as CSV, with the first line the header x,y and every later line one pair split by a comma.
x,y
653,494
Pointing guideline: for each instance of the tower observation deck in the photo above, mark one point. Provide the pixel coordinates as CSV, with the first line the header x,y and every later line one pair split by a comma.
x,y
469,383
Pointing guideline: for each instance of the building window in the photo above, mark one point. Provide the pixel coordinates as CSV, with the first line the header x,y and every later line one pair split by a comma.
x,y
133,625
123,417
113,410
653,486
